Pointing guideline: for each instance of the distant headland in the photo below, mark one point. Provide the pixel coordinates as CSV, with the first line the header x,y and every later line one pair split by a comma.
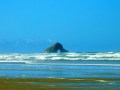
x,y
55,48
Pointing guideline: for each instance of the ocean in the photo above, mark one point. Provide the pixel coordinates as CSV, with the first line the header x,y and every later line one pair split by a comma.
x,y
85,70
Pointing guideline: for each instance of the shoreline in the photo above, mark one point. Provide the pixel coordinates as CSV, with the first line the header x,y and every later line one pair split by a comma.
x,y
59,83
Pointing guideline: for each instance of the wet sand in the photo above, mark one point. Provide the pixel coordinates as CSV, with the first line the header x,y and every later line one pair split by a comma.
x,y
59,84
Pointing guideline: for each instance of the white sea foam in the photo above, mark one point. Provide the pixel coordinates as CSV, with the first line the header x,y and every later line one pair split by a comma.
x,y
58,56
68,64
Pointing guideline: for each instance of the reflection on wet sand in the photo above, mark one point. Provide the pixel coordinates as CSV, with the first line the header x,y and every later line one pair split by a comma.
x,y
59,84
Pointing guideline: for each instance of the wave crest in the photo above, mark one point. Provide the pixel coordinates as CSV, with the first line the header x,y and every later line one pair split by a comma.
x,y
63,56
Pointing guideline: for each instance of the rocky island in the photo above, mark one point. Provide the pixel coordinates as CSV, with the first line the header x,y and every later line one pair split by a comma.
x,y
57,47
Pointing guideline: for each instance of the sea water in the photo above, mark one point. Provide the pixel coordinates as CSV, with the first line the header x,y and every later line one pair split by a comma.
x,y
60,65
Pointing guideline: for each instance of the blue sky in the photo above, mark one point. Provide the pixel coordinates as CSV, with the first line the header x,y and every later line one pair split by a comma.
x,y
80,25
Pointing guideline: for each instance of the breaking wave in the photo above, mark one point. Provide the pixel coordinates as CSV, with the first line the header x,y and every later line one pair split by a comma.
x,y
58,56
60,65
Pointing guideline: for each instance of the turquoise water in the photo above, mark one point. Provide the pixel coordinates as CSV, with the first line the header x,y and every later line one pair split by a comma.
x,y
62,69
67,65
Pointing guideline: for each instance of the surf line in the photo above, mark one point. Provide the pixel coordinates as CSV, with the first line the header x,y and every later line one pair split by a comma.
x,y
77,64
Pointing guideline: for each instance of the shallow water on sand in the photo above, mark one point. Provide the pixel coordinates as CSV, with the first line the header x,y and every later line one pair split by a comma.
x,y
61,69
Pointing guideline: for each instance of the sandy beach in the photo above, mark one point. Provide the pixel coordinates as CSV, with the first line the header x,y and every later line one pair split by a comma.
x,y
58,84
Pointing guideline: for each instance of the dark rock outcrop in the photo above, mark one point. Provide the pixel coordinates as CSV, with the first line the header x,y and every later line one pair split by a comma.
x,y
55,48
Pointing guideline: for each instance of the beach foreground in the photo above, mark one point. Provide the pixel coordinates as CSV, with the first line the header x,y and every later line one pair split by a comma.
x,y
59,84
65,71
